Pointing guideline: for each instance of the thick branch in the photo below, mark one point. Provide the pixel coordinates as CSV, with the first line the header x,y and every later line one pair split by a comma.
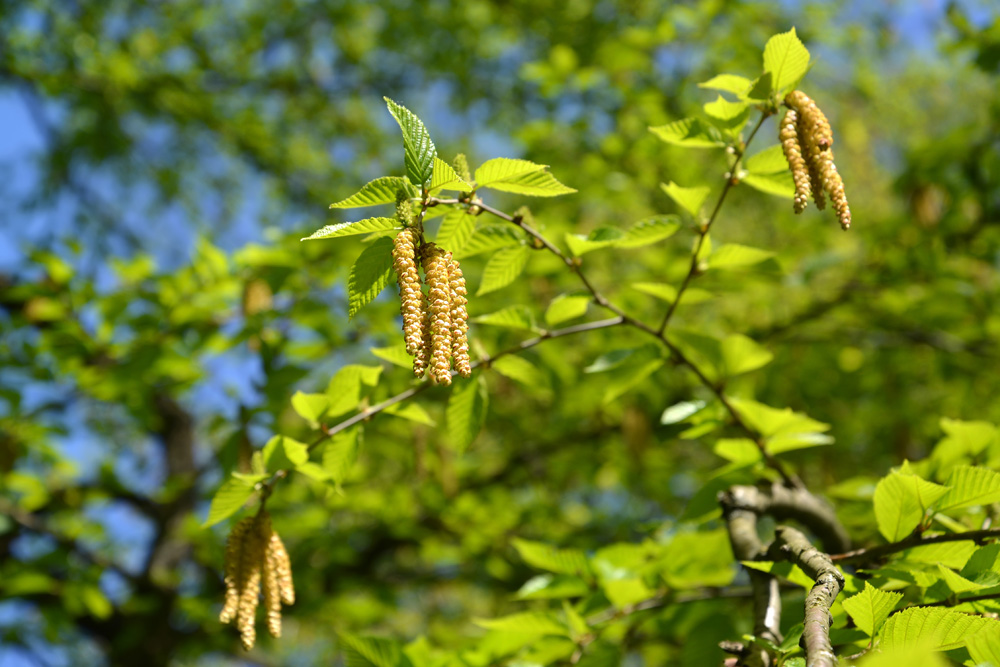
x,y
796,504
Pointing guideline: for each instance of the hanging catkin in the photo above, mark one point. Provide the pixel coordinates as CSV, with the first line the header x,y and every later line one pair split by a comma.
x,y
459,320
437,265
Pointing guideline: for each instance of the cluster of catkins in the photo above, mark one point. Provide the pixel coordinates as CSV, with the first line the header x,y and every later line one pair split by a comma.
x,y
256,558
435,327
806,139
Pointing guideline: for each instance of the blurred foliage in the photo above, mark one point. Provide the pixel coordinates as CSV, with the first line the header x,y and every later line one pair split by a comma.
x,y
162,313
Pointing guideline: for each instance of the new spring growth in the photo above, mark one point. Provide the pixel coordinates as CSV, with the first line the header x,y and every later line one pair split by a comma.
x,y
437,274
807,140
256,563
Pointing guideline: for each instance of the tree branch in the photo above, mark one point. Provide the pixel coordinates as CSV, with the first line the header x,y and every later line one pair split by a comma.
x,y
915,540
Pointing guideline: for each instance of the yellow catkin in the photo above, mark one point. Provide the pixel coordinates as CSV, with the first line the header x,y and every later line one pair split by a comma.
x,y
252,565
816,139
436,272
234,569
834,185
459,321
412,302
283,566
788,134
272,591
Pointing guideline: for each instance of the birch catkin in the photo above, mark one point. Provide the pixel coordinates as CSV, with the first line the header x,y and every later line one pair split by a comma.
x,y
788,134
412,301
459,320
437,274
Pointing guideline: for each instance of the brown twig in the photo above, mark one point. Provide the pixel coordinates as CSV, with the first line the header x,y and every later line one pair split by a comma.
x,y
915,540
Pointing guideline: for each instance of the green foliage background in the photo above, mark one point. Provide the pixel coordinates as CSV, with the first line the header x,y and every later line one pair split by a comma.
x,y
162,311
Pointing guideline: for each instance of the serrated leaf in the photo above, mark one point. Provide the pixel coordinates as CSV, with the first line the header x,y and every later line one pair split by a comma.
x,y
369,275
380,191
733,255
503,268
785,570
412,412
489,238
689,199
366,226
444,177
228,500
730,83
771,160
566,307
340,453
418,149
537,184
956,582
602,237
771,422
936,628
679,412
649,230
511,317
741,354
521,370
984,647
786,58
456,229
310,407
552,587
345,387
728,115
373,652
900,502
779,184
760,89
501,169
466,412
525,623
871,607
395,355
282,453
547,557
698,559
689,132
970,486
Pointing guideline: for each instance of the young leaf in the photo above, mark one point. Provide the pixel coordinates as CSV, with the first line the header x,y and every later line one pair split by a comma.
x,y
456,229
690,199
229,498
649,230
282,453
419,151
412,412
547,557
689,132
730,83
728,115
344,389
503,169
535,184
526,623
679,412
340,453
373,652
369,275
380,191
771,160
511,317
733,255
366,226
971,486
741,354
984,647
503,268
395,355
552,587
870,608
936,628
602,237
466,412
521,370
445,178
310,407
900,501
786,58
567,307
779,184
488,238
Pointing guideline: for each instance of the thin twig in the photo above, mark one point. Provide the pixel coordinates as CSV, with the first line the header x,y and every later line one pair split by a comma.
x,y
915,540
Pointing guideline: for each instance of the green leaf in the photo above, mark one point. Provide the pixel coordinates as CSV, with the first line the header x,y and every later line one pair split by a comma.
x,y
984,647
503,268
936,628
771,160
733,255
488,238
228,500
786,58
741,354
679,412
566,307
373,652
380,191
771,422
526,623
689,132
730,83
369,275
419,151
519,177
911,656
345,388
871,607
552,587
310,407
668,292
956,582
511,317
649,230
963,439
282,453
760,90
626,368
900,502
623,592
366,226
521,370
728,115
970,486
466,412
412,412
699,559
547,557
690,199
340,453
456,229
445,178
780,184
602,237
395,355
